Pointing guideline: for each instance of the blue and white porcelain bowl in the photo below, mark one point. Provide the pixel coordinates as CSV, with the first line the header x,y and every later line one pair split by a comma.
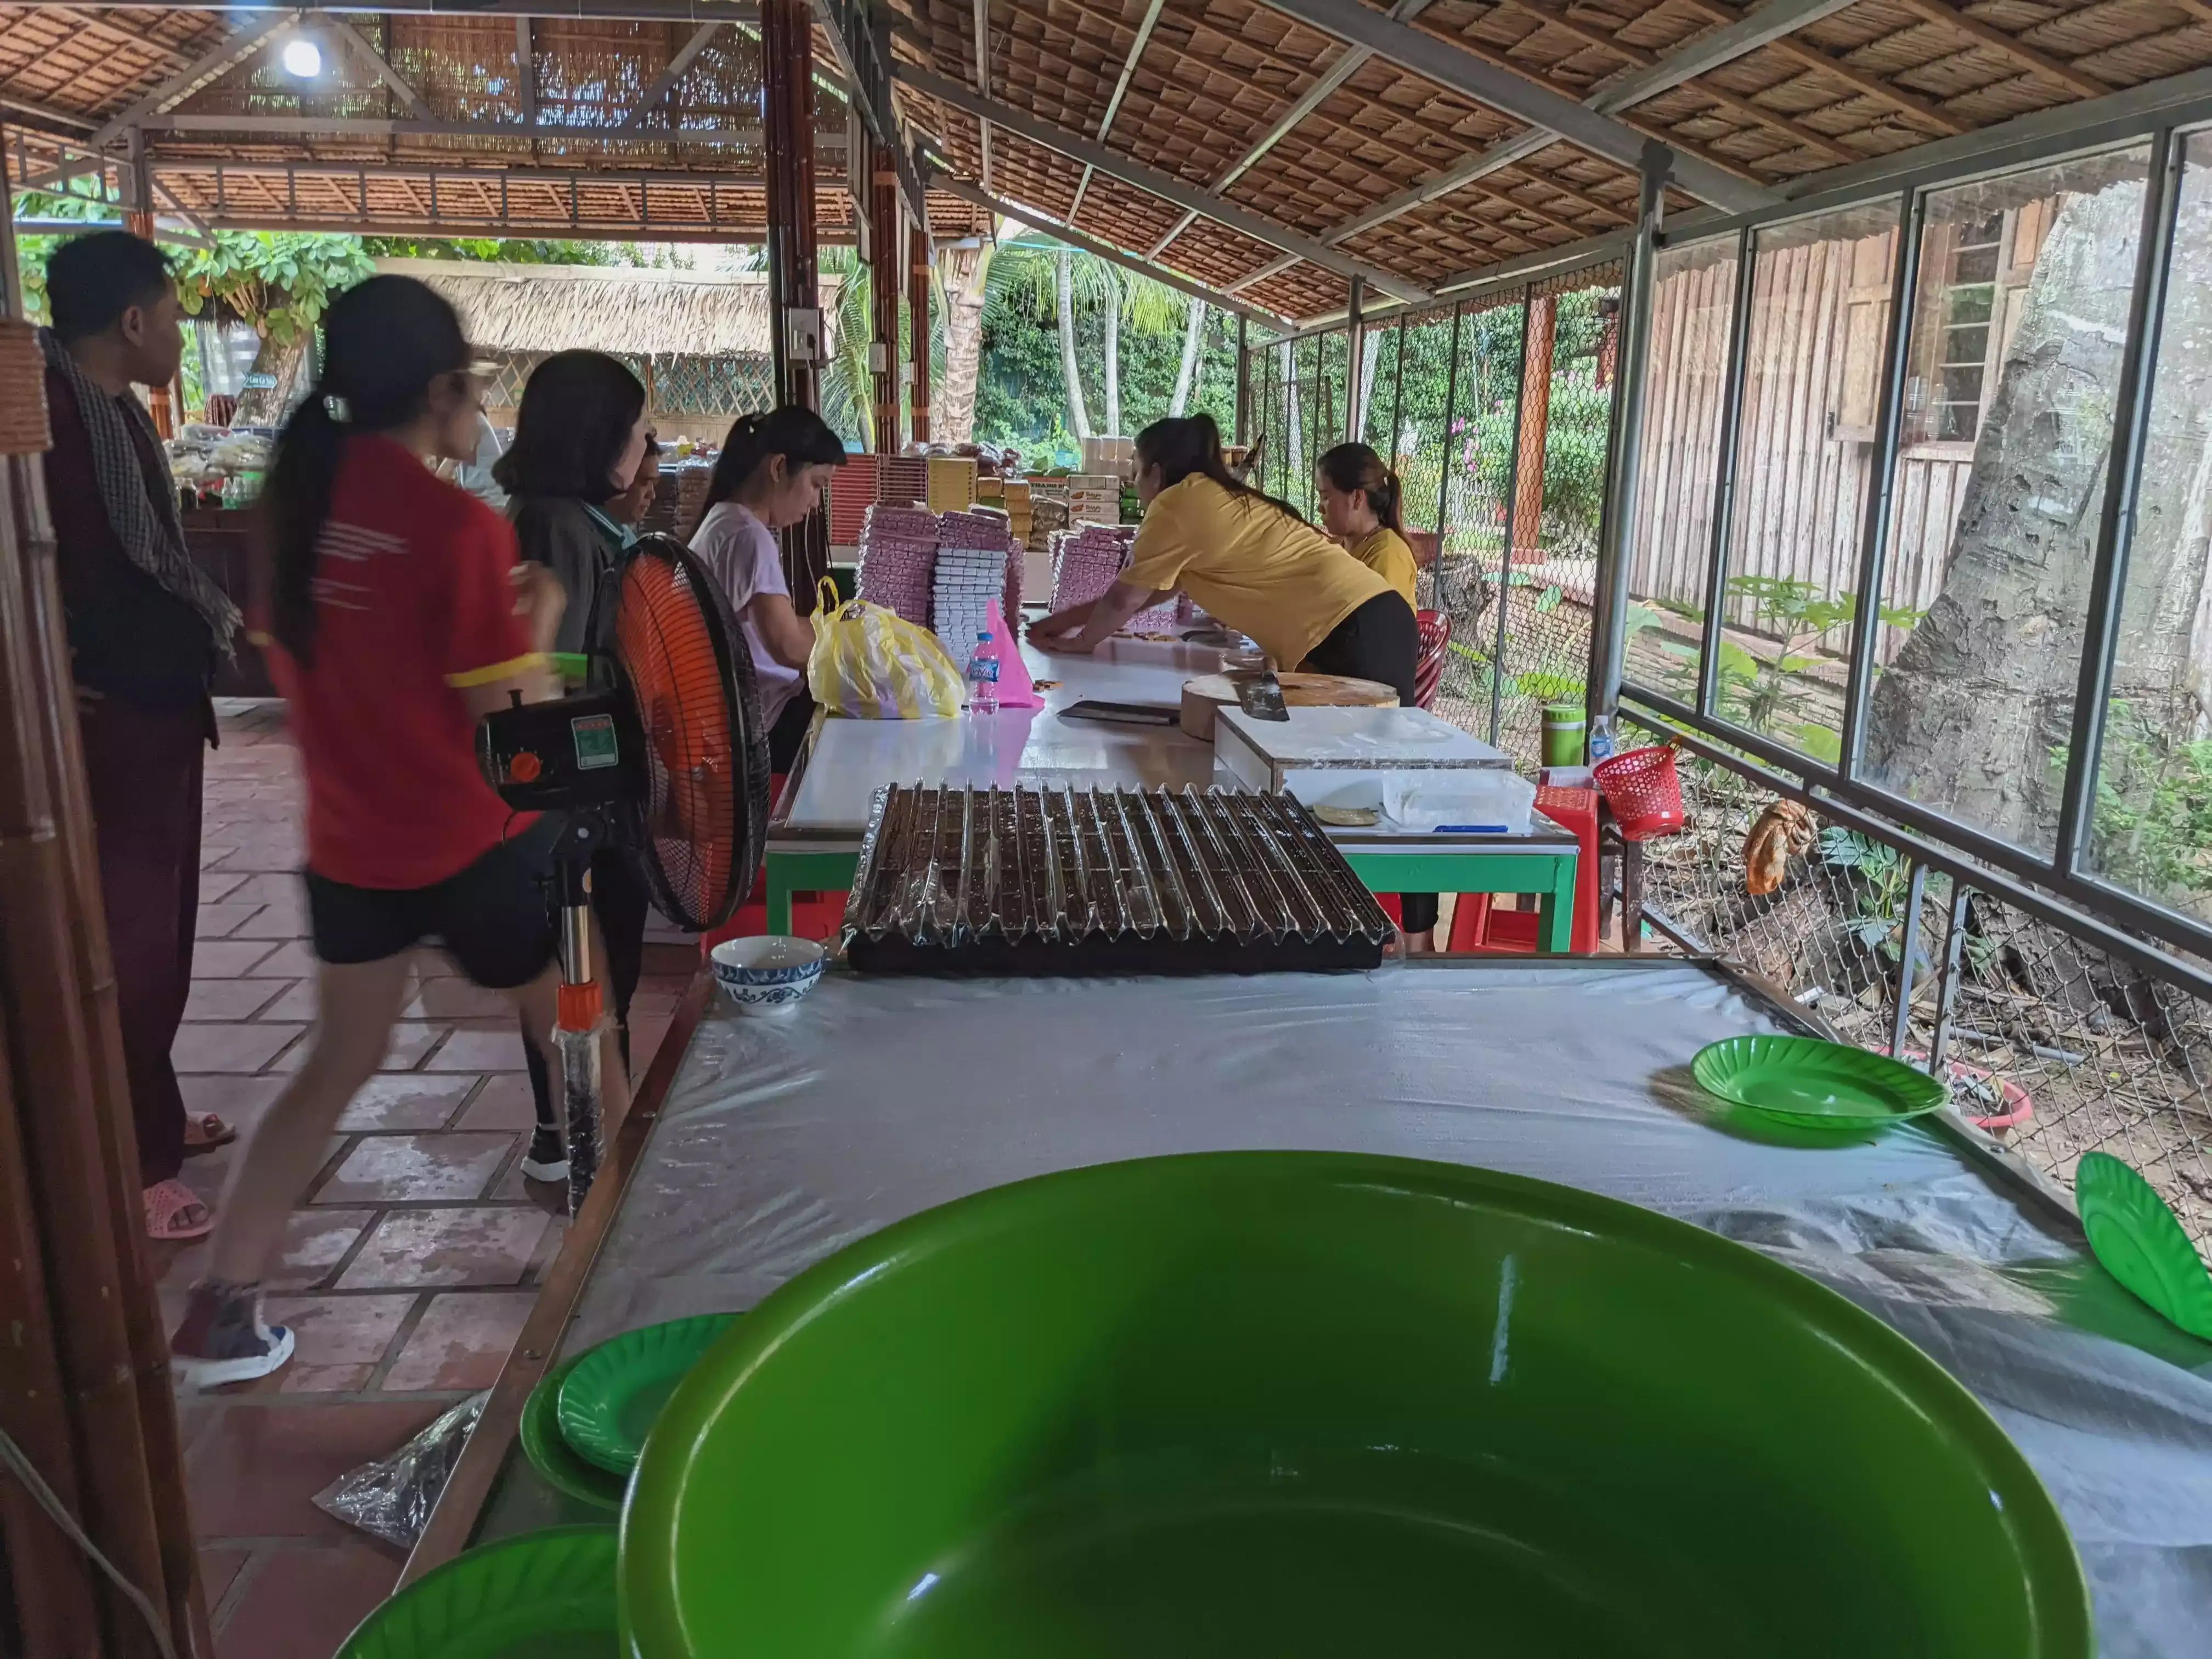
x,y
769,970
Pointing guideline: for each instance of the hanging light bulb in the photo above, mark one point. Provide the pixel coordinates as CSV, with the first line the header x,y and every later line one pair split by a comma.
x,y
303,58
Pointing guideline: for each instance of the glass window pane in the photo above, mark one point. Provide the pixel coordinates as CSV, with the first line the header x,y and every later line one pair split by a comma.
x,y
1693,303
1812,357
1989,546
2151,831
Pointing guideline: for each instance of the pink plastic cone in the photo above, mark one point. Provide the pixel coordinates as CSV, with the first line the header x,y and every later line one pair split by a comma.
x,y
1015,691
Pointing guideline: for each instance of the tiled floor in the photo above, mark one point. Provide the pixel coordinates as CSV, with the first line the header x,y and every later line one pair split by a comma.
x,y
408,1269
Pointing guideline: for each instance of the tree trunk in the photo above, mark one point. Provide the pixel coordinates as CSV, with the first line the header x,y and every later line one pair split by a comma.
x,y
1064,294
964,269
267,405
1113,326
1971,716
1193,334
1371,348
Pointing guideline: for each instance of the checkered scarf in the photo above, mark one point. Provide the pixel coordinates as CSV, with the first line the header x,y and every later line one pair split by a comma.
x,y
142,511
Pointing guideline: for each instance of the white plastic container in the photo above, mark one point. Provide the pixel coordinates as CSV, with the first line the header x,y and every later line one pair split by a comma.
x,y
1491,800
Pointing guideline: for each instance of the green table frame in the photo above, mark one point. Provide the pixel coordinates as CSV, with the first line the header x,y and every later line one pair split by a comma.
x,y
1549,874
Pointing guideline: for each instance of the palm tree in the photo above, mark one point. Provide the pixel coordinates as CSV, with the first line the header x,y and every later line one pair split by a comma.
x,y
963,277
848,388
1194,335
1064,300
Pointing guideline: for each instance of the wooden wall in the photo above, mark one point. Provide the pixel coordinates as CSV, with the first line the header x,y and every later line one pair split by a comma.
x,y
1820,312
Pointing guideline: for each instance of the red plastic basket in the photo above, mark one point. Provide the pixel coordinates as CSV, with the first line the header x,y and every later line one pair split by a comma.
x,y
1641,787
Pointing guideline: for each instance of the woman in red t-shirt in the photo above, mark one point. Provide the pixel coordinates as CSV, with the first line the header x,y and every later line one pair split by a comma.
x,y
399,616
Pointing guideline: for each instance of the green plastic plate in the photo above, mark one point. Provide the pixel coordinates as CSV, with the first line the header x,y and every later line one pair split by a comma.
x,y
1815,1085
550,1455
611,1398
543,1595
2141,1242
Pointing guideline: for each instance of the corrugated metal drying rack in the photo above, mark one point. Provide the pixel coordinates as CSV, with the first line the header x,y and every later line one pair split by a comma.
x,y
1029,880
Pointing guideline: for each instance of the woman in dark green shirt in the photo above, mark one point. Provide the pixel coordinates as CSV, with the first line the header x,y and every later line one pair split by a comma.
x,y
579,437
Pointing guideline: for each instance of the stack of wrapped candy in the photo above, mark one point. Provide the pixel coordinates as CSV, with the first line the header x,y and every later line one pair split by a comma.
x,y
898,559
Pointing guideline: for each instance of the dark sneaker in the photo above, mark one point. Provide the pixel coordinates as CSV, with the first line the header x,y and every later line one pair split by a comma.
x,y
548,1156
222,1338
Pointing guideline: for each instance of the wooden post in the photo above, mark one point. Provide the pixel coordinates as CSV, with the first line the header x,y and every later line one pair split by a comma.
x,y
84,1385
1535,416
886,278
794,291
917,309
139,222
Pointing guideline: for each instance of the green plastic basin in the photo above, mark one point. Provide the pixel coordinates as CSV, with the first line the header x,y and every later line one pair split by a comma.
x,y
1289,1404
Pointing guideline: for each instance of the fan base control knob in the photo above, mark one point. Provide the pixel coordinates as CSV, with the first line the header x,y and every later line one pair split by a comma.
x,y
525,768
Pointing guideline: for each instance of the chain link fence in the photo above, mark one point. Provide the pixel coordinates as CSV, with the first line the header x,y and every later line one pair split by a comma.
x,y
2051,1045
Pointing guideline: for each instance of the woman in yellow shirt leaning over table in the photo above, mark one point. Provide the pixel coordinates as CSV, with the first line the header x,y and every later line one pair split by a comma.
x,y
1248,560
1359,507
1251,562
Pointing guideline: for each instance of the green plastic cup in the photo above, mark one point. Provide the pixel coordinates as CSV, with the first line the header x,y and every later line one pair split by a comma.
x,y
1304,1405
1564,724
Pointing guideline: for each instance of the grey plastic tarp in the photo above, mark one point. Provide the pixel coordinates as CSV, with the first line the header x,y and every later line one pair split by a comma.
x,y
786,1136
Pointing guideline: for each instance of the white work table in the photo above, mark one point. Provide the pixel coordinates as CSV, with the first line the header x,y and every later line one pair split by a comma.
x,y
822,815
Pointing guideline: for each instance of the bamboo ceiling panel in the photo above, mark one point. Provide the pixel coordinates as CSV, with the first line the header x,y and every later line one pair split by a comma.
x,y
88,61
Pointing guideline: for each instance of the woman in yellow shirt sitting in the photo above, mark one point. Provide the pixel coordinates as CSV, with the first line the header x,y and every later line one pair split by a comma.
x,y
1359,507
1253,564
1250,561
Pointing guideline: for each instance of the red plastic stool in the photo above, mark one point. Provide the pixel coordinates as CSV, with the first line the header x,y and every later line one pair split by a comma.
x,y
1481,929
813,915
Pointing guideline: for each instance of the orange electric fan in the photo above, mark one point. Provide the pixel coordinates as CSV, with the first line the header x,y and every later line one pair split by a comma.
x,y
663,756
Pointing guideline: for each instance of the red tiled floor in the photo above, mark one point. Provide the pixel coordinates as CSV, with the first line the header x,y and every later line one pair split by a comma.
x,y
404,1100
218,1570
481,1045
302,1603
338,1339
461,1341
475,1245
503,1102
415,1168
254,1473
228,999
231,1048
406,1274
223,958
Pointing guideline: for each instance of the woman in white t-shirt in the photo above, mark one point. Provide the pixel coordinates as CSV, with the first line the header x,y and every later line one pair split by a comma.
x,y
770,476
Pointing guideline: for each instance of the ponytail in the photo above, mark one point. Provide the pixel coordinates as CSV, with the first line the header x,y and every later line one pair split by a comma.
x,y
385,342
1355,466
1187,445
302,476
793,431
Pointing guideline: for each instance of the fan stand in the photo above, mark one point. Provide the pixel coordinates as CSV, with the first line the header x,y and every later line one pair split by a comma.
x,y
582,1016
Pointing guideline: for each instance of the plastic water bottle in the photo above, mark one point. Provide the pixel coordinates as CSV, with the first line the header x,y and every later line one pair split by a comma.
x,y
983,677
1600,739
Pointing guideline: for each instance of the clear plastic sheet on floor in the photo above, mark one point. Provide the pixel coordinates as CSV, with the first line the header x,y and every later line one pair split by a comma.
x,y
785,1137
391,1498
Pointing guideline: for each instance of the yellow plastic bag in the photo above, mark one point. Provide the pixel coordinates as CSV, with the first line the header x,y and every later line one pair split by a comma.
x,y
874,664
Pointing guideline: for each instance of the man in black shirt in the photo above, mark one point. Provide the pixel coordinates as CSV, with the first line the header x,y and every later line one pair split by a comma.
x,y
144,627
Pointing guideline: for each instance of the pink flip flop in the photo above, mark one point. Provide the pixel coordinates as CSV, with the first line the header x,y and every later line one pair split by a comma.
x,y
165,1202
206,1132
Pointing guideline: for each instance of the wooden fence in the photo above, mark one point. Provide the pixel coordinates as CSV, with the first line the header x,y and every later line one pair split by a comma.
x,y
1820,312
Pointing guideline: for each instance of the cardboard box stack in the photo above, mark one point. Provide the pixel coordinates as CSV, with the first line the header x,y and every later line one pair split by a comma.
x,y
902,480
1093,498
951,482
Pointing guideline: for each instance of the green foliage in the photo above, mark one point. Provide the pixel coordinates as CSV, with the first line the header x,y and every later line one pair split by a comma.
x,y
1883,881
2151,828
280,282
1021,396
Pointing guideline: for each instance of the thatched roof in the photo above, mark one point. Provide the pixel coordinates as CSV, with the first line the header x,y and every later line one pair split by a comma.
x,y
555,307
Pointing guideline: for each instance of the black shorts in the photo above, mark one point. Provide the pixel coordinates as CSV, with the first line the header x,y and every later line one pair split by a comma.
x,y
1381,641
494,918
